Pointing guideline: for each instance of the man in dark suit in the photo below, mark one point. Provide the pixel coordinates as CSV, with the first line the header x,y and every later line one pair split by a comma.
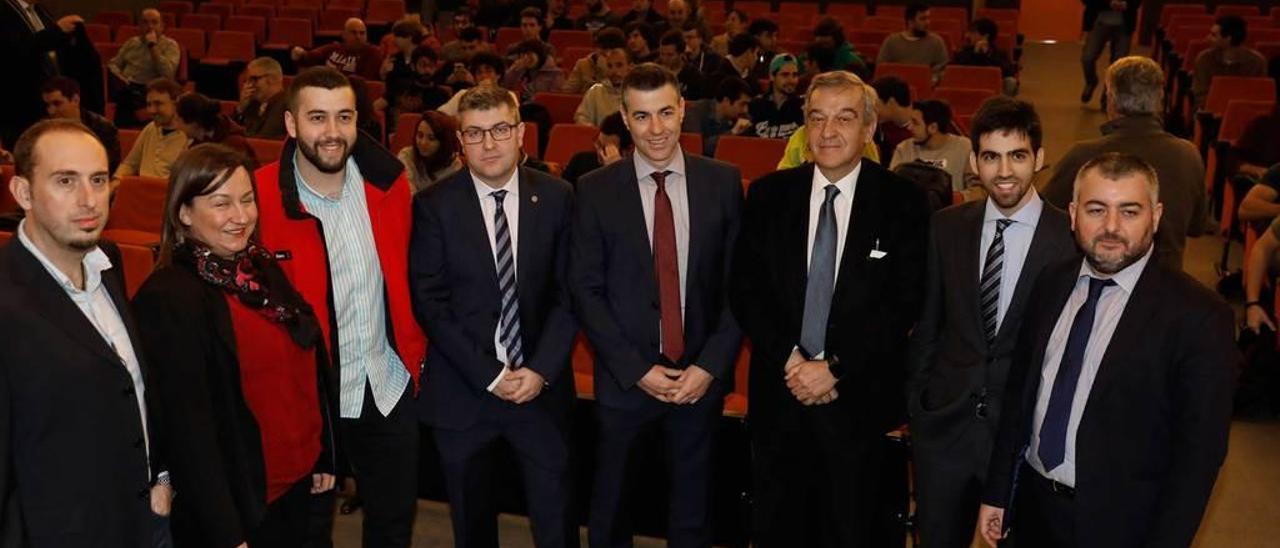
x,y
652,239
828,280
29,36
983,258
1119,398
77,461
488,261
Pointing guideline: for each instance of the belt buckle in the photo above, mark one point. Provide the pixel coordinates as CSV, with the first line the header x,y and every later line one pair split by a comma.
x,y
1061,488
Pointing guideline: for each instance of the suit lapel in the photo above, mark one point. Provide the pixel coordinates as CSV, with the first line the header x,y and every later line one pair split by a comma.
x,y
796,239
1134,321
475,229
1063,283
1042,252
634,225
528,223
970,248
52,302
862,232
698,201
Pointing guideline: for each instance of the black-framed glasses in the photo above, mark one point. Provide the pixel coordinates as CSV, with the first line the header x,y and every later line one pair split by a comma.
x,y
475,135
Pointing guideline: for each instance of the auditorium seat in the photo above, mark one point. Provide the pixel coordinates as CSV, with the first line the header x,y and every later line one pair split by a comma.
x,y
754,156
139,261
273,3
192,41
137,211
984,78
113,19
331,21
403,134
1237,116
127,138
947,13
962,101
570,56
919,77
357,5
283,33
252,24
7,203
310,13
257,10
265,151
384,12
507,37
98,33
5,236
566,140
561,106
208,22
1236,9
691,143
898,12
851,15
891,24
867,36
1223,90
229,46
176,7
561,39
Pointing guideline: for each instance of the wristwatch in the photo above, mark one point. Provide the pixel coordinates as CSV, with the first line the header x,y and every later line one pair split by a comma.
x,y
835,366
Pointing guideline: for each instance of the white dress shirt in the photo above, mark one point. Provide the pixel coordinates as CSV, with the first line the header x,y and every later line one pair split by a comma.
x,y
1110,308
678,192
843,205
1017,243
96,305
511,208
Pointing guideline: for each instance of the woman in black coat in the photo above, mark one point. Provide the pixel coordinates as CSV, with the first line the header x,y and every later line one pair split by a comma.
x,y
240,369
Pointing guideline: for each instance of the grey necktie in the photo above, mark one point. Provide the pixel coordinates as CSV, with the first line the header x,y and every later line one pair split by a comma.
x,y
821,282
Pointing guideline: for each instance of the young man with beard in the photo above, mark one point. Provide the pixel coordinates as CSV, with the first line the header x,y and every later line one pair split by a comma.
x,y
984,257
80,461
652,239
779,113
488,269
605,98
1118,402
916,45
724,113
671,48
335,210
932,143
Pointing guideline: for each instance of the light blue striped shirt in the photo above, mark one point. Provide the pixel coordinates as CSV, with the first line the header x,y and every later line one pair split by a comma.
x,y
364,352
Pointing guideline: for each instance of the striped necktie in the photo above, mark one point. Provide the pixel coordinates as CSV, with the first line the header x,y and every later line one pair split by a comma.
x,y
510,317
989,287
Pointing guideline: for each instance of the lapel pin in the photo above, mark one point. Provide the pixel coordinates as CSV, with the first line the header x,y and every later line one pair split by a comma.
x,y
534,198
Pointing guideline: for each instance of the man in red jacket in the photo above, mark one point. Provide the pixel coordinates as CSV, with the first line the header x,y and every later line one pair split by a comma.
x,y
335,210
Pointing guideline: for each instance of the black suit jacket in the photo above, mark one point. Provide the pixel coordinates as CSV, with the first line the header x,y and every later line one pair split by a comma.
x,y
26,54
616,292
214,445
951,363
73,461
1154,431
876,301
455,296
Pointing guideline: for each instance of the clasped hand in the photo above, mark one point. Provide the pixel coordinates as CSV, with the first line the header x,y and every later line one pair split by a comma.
x,y
520,386
810,381
678,386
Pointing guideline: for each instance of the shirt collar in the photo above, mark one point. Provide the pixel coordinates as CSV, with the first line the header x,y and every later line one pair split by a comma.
x,y
94,263
353,174
483,190
1127,278
644,169
1028,215
845,184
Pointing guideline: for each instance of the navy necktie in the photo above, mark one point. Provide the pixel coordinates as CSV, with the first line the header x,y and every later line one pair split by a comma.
x,y
1053,430
821,282
510,316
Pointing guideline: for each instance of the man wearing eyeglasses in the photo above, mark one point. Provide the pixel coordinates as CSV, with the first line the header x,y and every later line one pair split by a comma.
x,y
262,100
487,267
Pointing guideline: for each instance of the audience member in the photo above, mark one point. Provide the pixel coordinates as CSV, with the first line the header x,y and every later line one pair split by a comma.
x,y
642,11
593,68
62,100
30,37
597,17
980,51
459,50
1262,203
766,33
434,154
201,118
641,42
605,98
484,68
780,112
557,17
397,68
744,53
531,28
353,56
932,143
1135,98
1259,146
679,14
893,112
422,93
610,145
141,59
735,23
724,113
693,84
463,18
1259,271
1105,21
916,45
696,50
830,33
238,363
263,100
1227,56
533,70
160,142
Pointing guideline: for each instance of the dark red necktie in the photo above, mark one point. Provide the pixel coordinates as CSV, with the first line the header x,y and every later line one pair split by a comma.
x,y
666,267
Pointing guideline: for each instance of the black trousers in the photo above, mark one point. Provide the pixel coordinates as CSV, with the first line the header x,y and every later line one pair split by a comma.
x,y
1042,518
541,447
950,469
688,430
285,523
814,486
383,455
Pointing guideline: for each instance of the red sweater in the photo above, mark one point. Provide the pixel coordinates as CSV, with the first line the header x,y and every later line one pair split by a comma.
x,y
279,382
363,61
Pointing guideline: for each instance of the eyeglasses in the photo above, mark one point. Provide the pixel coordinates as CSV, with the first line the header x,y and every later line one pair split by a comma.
x,y
475,135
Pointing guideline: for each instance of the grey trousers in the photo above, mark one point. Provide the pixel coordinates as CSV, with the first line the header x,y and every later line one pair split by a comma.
x,y
1101,34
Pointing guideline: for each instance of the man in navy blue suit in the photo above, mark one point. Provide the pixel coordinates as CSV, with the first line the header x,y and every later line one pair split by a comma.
x,y
487,265
652,239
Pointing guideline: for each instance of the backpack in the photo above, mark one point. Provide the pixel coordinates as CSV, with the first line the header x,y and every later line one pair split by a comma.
x,y
933,181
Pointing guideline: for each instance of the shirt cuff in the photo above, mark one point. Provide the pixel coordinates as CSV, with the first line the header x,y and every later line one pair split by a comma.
x,y
501,375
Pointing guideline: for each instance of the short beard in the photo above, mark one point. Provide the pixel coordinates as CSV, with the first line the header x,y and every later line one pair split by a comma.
x,y
309,152
1125,260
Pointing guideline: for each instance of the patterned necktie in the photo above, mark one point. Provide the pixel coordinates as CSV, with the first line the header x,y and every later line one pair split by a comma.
x,y
989,284
510,317
666,267
1053,430
822,279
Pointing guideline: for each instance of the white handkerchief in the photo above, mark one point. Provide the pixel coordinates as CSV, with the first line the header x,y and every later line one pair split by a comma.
x,y
877,254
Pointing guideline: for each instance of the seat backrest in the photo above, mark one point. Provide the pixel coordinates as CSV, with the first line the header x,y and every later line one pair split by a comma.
x,y
332,18
113,18
561,39
753,7
191,40
506,37
1270,50
139,261
252,24
1185,19
754,156
221,10
276,3
310,13
7,203
947,13
1237,9
176,7
290,31
569,139
257,10
1224,89
1238,115
357,5
1168,11
919,77
894,11
127,138
570,56
208,22
868,36
382,11
962,100
139,204
265,150
1259,36
98,32
847,13
561,106
231,45
986,78
406,126
691,142
876,22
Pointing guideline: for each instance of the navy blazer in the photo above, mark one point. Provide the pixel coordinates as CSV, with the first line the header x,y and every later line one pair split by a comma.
x,y
615,290
454,285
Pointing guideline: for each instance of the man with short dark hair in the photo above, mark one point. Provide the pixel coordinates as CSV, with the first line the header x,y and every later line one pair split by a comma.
x,y
1135,95
488,268
744,53
337,205
605,98
641,42
161,142
780,112
766,33
62,100
735,23
353,56
894,114
80,454
597,17
671,56
460,50
984,256
652,297
262,100
642,11
532,28
916,45
1117,410
980,50
593,69
1226,56
724,113
679,15
696,49
141,59
932,143
1105,21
